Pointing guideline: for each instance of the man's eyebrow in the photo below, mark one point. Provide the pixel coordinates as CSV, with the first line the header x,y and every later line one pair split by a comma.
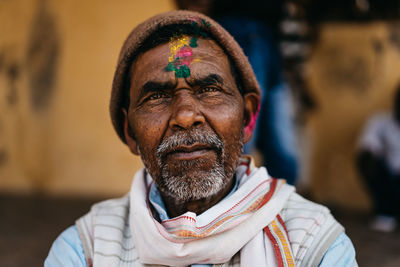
x,y
206,80
153,86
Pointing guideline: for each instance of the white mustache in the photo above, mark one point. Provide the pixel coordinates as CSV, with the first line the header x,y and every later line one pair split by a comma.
x,y
188,138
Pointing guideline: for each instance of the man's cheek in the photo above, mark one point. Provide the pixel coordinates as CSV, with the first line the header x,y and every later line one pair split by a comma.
x,y
147,152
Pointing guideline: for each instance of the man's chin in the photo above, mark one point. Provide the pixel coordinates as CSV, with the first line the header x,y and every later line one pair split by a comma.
x,y
189,167
193,183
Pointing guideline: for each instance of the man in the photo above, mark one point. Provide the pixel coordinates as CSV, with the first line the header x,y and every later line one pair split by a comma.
x,y
379,164
185,99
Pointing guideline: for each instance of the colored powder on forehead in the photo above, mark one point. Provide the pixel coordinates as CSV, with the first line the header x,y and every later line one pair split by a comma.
x,y
205,23
197,26
193,42
175,45
184,53
182,72
181,56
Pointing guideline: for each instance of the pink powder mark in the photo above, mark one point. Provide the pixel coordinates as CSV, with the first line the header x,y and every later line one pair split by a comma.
x,y
183,57
184,52
252,124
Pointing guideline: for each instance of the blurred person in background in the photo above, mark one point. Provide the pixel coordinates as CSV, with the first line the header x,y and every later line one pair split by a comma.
x,y
378,162
185,99
254,25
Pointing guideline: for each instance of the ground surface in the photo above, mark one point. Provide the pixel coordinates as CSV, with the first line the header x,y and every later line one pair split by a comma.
x,y
28,225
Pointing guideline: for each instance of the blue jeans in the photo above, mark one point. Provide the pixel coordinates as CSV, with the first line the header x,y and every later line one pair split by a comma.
x,y
274,133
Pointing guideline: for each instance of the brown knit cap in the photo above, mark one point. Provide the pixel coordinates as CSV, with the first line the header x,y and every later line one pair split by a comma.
x,y
145,29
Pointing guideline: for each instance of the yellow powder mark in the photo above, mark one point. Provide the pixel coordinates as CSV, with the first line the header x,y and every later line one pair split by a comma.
x,y
175,44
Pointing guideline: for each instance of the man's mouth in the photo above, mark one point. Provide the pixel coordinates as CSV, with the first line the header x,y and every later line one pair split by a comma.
x,y
190,152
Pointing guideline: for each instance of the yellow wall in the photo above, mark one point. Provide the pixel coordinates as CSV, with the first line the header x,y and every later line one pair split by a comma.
x,y
352,74
56,135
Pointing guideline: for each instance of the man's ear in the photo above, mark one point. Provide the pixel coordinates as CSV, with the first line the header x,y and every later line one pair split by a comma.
x,y
130,139
251,109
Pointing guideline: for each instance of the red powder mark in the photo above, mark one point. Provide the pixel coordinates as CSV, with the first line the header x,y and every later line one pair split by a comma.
x,y
252,124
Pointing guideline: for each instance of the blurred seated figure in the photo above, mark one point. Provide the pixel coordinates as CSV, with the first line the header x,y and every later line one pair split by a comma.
x,y
379,164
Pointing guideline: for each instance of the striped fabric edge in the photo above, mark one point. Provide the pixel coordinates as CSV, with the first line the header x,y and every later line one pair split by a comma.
x,y
304,220
278,235
218,223
329,232
83,226
248,161
235,215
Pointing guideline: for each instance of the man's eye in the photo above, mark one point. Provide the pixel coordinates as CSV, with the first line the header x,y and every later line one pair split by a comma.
x,y
156,96
208,89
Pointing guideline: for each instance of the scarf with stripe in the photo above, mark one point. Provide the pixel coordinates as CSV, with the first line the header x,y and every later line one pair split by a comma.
x,y
216,235
263,223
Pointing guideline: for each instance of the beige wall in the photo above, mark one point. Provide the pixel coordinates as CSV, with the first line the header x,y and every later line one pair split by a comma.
x,y
352,74
56,135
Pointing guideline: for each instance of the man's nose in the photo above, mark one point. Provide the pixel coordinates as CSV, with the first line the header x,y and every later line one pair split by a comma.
x,y
185,113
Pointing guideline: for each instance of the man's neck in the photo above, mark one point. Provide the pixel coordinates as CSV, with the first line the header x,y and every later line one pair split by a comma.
x,y
176,208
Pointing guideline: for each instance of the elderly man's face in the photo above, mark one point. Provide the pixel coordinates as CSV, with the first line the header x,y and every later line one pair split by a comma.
x,y
187,128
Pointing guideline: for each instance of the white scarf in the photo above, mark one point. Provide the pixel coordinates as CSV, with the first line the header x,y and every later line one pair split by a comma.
x,y
214,237
122,232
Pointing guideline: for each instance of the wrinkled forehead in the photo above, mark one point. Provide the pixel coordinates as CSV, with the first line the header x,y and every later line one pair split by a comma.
x,y
163,53
181,57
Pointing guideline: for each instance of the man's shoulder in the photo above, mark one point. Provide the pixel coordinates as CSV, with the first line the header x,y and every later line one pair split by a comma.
x,y
311,228
119,205
101,211
300,211
298,204
111,204
106,220
299,208
66,249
